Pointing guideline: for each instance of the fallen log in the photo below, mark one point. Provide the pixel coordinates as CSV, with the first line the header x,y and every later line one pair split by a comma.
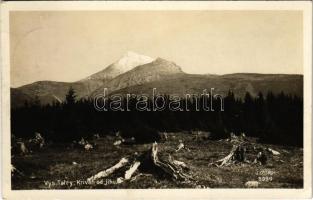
x,y
272,151
238,153
131,170
178,163
180,146
150,162
109,171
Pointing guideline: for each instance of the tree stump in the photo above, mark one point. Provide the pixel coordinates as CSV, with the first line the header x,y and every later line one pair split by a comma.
x,y
147,161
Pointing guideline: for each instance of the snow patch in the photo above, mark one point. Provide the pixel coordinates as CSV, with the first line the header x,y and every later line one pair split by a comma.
x,y
131,60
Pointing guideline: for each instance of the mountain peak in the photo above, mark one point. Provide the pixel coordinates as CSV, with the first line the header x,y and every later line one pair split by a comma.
x,y
162,60
127,62
131,59
167,65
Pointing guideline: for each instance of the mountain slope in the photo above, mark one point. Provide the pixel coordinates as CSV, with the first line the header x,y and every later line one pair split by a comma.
x,y
134,73
238,83
127,62
46,91
18,97
154,71
49,91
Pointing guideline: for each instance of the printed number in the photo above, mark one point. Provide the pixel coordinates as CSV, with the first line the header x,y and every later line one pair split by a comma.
x,y
265,178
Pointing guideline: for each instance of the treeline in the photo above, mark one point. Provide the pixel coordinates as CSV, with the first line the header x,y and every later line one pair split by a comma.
x,y
272,118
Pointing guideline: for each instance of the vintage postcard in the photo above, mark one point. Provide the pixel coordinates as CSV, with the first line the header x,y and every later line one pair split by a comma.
x,y
161,100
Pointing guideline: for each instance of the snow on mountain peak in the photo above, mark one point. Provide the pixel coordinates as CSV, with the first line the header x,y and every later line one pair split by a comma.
x,y
127,62
131,60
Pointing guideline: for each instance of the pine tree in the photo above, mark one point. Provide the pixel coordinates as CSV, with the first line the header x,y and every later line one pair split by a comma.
x,y
70,98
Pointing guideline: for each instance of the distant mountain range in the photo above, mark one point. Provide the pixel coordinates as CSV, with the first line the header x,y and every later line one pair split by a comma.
x,y
138,74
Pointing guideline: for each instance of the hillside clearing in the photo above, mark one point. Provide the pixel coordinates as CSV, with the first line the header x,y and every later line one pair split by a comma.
x,y
62,167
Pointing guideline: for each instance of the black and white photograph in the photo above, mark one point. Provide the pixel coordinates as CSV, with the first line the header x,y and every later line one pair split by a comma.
x,y
157,99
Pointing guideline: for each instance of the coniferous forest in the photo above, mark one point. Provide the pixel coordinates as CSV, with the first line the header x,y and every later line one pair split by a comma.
x,y
273,118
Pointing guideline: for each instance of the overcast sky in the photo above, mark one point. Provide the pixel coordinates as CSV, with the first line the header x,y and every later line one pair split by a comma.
x,y
70,45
